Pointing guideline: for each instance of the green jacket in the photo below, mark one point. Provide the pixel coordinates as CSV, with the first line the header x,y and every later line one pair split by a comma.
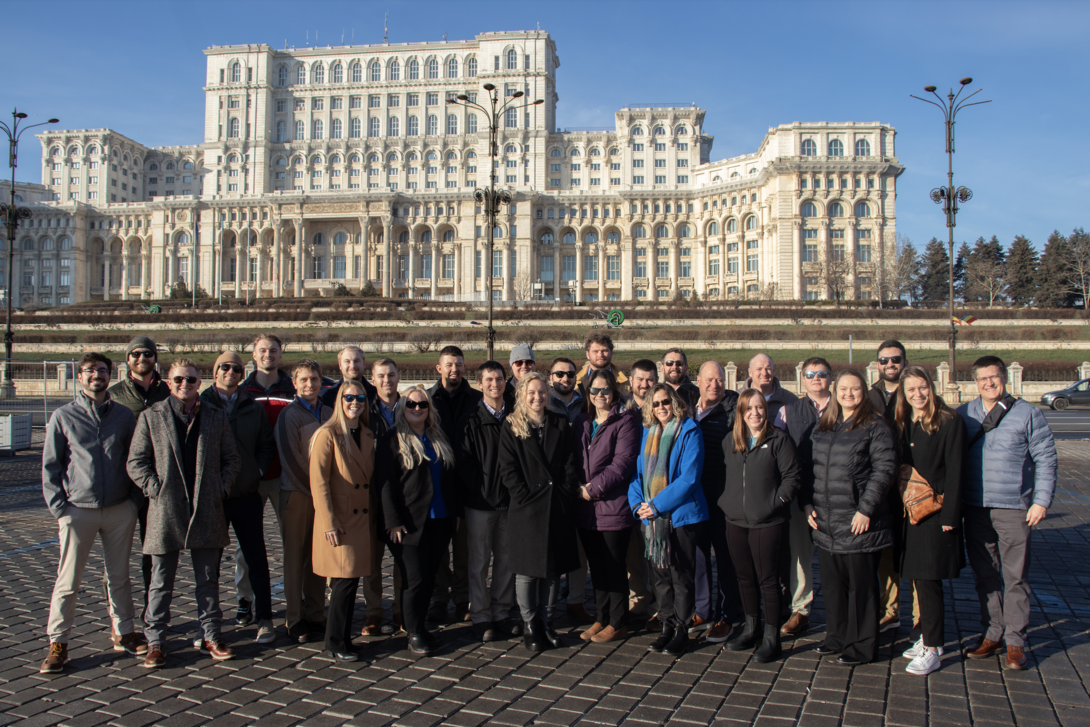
x,y
128,393
253,438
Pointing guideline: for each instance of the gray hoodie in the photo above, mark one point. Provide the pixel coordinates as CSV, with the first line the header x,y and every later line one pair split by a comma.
x,y
83,462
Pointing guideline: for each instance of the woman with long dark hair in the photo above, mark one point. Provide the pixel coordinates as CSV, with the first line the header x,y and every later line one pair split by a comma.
x,y
933,442
847,508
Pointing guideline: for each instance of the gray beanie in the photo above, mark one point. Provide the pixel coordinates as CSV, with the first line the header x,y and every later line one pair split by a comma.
x,y
142,342
522,352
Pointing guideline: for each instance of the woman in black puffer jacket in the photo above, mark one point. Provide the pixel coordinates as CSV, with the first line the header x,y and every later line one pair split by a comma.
x,y
853,468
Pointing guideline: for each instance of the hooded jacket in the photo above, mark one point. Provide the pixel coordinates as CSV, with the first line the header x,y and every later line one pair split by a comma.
x,y
608,459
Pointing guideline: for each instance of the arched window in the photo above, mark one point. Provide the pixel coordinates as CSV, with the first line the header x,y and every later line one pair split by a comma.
x,y
281,131
319,73
376,71
393,71
452,68
413,127
836,209
637,131
355,159
471,67
452,124
554,153
432,156
510,149
282,76
546,238
232,128
316,129
433,68
153,167
735,175
809,148
713,228
448,236
433,125
236,73
403,236
357,72
451,155
392,159
170,165
47,244
335,159
511,119
613,238
862,148
319,239
683,231
183,239
471,124
340,238
569,238
732,225
662,231
497,231
355,128
596,152
316,160
576,152
732,290
336,128
337,73
659,131
393,126
751,222
639,231
373,128
591,238
55,152
28,244
414,70
65,243
862,210
836,148
512,60
808,210
425,236
233,159
682,131
74,151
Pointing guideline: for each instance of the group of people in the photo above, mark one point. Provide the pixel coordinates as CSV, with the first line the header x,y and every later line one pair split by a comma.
x,y
696,509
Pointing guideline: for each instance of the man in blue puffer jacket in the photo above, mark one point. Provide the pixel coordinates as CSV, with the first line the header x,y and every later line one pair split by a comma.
x,y
1009,478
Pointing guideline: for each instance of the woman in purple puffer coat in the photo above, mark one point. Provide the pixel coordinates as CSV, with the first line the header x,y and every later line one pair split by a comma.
x,y
609,436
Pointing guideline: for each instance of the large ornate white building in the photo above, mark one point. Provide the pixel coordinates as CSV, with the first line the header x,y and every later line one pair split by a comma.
x,y
339,165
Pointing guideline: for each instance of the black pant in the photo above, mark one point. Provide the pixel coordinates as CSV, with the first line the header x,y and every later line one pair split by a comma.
x,y
932,612
246,514
756,554
342,606
419,564
674,583
726,604
606,552
849,582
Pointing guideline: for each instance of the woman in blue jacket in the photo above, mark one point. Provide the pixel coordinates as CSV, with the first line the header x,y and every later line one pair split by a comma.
x,y
667,497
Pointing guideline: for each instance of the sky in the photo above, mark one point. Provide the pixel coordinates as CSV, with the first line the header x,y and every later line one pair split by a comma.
x,y
137,67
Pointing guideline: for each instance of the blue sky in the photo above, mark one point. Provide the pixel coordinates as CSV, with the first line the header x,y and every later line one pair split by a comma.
x,y
137,67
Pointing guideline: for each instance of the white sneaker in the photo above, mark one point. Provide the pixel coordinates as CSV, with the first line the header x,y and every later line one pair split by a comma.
x,y
925,663
266,632
916,649
198,640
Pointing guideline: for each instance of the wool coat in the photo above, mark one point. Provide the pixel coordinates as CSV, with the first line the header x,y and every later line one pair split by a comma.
x,y
454,409
340,483
608,460
929,553
406,494
156,466
543,477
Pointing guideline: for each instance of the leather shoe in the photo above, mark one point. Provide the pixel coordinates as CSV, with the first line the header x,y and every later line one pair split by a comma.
x,y
1016,659
299,633
591,632
663,639
509,628
552,637
533,636
797,624
485,632
679,644
461,612
984,648
419,645
610,634
847,661
823,650
373,627
579,612
344,655
437,612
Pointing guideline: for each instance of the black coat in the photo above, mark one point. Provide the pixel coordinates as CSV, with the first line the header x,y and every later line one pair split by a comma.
x,y
543,477
478,463
884,402
800,417
688,392
454,410
330,395
761,483
406,495
852,472
929,553
715,428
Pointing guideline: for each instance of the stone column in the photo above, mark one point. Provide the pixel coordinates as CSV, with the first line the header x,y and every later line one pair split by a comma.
x,y
239,269
145,275
700,273
124,273
601,272
673,267
277,267
260,268
1014,377
628,270
872,373
436,268
942,376
557,272
579,271
365,266
388,264
1084,370
411,277
62,376
730,376
298,282
457,269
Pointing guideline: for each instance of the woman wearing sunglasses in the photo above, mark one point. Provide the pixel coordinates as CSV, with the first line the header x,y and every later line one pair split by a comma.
x,y
667,496
848,511
539,464
342,459
420,506
933,442
609,441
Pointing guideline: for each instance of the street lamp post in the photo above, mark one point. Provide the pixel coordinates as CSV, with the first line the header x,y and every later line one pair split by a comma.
x,y
949,196
12,214
491,200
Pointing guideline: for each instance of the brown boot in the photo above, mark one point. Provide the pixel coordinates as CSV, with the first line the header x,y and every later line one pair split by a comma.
x,y
985,648
1016,659
156,658
373,627
55,661
797,624
591,632
610,634
132,643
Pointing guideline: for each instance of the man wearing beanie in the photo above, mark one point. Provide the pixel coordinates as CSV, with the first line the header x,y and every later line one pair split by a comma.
x,y
522,362
244,508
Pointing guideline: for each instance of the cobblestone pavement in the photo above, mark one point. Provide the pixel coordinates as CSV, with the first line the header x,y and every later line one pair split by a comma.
x,y
470,684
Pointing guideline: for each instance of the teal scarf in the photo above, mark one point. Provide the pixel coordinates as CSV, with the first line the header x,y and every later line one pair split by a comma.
x,y
656,476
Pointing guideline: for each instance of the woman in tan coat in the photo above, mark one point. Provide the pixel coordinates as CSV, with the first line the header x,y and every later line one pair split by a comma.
x,y
342,458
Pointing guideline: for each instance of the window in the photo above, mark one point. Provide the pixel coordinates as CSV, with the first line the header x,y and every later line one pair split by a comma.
x,y
319,73
862,210
590,267
512,60
425,265
471,124
338,73
836,148
282,76
568,269
376,71
233,128
452,68
452,124
448,266
393,71
373,126
300,131
662,264
546,269
751,263
809,148
641,262
809,209
236,73
316,129
751,222
414,70
862,148
511,119
613,267
355,128
413,127
433,125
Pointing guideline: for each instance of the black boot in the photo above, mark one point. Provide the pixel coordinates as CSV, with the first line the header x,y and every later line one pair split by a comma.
x,y
664,638
680,643
551,636
749,636
533,638
769,650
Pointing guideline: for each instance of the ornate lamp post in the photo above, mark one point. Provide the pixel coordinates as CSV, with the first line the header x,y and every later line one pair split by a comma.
x,y
949,196
12,214
491,200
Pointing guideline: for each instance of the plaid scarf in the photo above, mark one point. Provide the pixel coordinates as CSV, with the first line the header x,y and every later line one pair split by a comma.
x,y
656,476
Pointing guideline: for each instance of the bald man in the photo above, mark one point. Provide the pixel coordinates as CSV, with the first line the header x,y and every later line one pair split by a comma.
x,y
762,376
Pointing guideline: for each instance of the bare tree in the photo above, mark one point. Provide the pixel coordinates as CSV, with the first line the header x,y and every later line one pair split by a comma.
x,y
426,340
834,271
1078,262
901,273
523,286
985,277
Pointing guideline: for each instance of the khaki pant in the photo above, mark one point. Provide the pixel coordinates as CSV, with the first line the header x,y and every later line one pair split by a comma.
x,y
889,586
77,530
269,490
800,573
304,592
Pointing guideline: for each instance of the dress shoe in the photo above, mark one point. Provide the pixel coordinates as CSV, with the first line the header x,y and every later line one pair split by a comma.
x,y
509,628
397,628
719,633
419,645
579,612
848,661
679,644
591,632
344,655
653,624
749,637
217,649
244,616
797,624
299,633
461,612
437,613
315,628
484,632
609,634
1016,659
55,660
984,648
156,658
551,636
133,644
823,650
698,624
533,636
663,639
373,627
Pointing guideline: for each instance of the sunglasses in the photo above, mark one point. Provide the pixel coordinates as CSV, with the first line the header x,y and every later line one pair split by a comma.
x,y
679,362
564,374
815,374
421,405
599,391
142,354
231,367
891,359
187,379
351,398
661,403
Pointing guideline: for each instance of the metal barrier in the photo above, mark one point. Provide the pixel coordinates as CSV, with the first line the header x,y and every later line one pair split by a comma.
x,y
40,387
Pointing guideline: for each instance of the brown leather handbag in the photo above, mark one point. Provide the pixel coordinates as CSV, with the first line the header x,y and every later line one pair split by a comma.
x,y
921,501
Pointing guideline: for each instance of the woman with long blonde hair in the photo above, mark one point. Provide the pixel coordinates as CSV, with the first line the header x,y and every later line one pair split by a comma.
x,y
420,506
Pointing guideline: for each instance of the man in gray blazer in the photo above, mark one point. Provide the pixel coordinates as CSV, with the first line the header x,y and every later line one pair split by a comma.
x,y
183,458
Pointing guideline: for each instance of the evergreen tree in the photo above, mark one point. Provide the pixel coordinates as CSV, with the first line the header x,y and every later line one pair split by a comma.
x,y
1054,288
959,270
934,272
1022,264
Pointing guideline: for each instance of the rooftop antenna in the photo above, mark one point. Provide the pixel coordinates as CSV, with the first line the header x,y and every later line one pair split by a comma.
x,y
353,36
444,36
285,43
308,39
342,36
386,29
539,26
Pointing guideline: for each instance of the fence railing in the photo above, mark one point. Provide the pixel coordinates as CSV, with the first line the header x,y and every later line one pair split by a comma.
x,y
37,387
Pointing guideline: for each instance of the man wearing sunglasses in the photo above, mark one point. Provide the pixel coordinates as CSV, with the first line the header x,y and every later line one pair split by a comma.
x,y
798,419
892,360
352,362
244,507
564,398
675,372
90,494
185,504
522,362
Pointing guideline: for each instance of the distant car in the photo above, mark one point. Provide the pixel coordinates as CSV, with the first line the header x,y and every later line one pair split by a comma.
x,y
1077,393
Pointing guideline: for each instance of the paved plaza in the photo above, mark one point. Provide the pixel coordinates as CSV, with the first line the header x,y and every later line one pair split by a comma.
x,y
470,684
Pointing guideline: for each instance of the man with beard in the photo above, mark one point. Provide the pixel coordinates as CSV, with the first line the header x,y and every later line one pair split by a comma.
x,y
641,379
522,362
675,371
564,398
599,351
